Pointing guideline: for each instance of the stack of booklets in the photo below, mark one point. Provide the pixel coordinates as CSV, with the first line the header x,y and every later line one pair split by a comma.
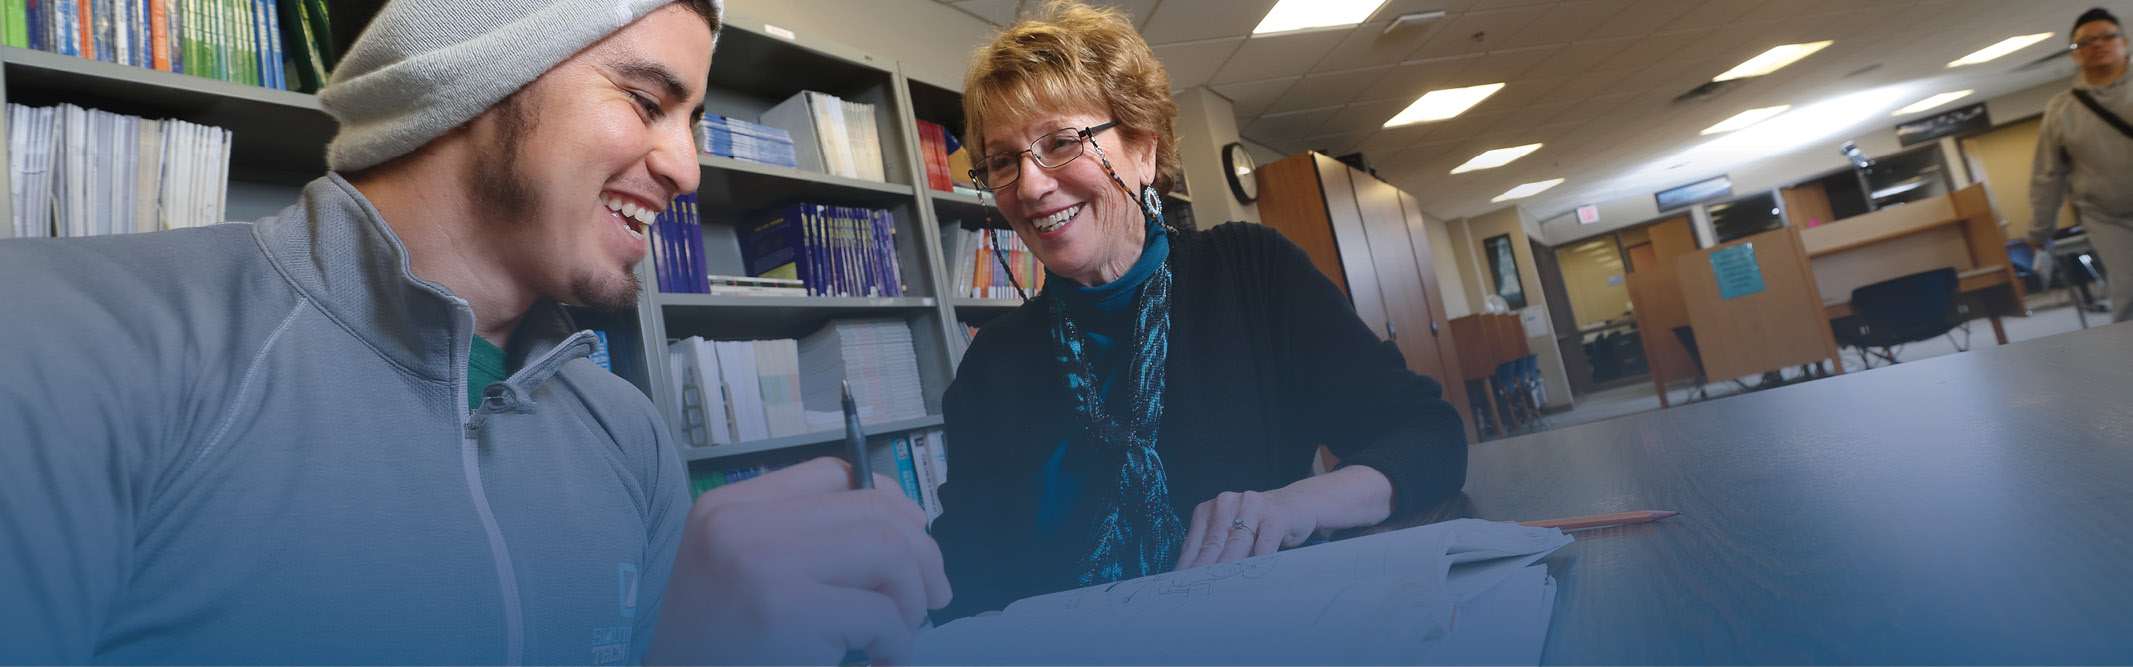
x,y
737,390
830,135
832,250
228,40
921,465
742,140
83,172
875,356
979,270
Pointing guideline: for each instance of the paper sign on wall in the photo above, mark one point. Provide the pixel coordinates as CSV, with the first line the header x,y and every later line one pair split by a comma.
x,y
1738,274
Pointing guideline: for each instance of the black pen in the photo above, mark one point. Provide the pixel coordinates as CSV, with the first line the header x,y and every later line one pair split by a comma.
x,y
855,443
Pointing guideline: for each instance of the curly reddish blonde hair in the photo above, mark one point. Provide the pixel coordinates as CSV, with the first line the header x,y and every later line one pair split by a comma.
x,y
1071,56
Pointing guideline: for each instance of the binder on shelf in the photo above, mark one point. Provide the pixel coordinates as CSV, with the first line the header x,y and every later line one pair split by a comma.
x,y
831,250
86,172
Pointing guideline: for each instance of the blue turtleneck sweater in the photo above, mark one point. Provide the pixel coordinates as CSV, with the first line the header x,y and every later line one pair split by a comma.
x,y
1105,314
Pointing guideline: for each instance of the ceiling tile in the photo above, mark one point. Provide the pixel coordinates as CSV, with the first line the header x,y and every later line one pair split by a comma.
x,y
1370,45
1649,51
1591,84
1408,82
1647,17
1328,89
1280,55
1477,31
1363,116
1710,13
1503,66
1192,20
1566,22
1194,63
1337,144
1251,98
1284,129
999,12
1139,10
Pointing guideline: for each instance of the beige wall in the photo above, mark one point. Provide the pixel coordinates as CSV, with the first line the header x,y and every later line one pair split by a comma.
x,y
1451,285
931,40
2003,158
1473,271
1206,123
1588,270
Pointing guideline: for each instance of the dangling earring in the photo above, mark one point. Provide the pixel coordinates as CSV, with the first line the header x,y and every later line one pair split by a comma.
x,y
1152,206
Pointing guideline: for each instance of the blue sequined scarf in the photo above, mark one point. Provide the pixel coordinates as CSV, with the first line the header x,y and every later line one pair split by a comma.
x,y
1136,532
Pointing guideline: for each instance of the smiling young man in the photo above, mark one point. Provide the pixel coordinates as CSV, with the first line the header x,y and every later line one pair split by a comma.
x,y
363,431
2085,149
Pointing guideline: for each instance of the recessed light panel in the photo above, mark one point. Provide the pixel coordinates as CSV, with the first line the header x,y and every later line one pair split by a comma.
x,y
1746,118
1289,15
1496,158
1772,60
1933,102
1441,104
2006,46
1527,190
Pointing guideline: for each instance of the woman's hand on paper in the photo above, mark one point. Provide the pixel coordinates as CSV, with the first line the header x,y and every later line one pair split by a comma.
x,y
794,567
1238,525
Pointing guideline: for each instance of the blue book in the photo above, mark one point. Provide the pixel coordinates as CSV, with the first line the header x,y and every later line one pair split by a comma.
x,y
662,264
775,245
281,74
701,263
904,472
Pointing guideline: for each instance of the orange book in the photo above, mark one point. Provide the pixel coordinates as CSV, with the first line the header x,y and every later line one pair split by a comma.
x,y
87,27
158,35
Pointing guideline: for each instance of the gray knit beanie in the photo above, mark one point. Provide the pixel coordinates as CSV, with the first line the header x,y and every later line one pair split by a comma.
x,y
424,67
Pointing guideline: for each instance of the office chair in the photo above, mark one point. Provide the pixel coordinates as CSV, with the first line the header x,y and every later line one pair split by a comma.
x,y
1902,310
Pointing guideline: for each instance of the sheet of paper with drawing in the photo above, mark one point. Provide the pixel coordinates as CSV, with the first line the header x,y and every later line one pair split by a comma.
x,y
1382,599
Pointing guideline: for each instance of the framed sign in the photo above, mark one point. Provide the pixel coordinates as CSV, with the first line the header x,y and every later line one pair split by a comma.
x,y
1503,270
1700,191
1967,119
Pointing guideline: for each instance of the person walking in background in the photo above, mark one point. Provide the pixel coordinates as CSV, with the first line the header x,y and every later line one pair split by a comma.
x,y
2085,148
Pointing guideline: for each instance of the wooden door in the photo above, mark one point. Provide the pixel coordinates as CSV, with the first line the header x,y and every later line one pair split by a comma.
x,y
1440,331
1357,264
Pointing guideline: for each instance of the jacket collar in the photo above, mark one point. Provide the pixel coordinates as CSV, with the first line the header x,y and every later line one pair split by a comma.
x,y
336,249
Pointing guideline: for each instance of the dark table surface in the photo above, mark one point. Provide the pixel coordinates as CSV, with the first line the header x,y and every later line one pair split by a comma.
x,y
1966,509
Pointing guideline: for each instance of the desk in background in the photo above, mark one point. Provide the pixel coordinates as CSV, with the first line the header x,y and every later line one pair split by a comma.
x,y
1966,509
1958,231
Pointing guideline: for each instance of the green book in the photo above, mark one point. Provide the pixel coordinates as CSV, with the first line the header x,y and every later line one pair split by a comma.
x,y
16,19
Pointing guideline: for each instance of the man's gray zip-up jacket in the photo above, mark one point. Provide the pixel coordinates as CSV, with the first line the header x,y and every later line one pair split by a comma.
x,y
250,444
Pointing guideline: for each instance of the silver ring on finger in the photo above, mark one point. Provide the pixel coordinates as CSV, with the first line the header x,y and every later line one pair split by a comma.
x,y
1238,524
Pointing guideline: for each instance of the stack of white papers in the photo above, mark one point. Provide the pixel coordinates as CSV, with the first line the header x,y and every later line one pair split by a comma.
x,y
876,356
1458,592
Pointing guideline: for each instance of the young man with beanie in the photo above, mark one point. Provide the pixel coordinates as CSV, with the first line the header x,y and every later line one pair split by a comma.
x,y
364,431
2085,149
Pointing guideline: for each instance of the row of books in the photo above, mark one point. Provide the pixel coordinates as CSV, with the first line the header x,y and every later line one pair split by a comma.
x,y
229,40
749,390
947,164
919,461
830,134
703,478
991,263
832,250
678,263
742,140
737,391
86,172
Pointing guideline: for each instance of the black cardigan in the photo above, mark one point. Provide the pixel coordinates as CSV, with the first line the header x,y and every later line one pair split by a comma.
x,y
1267,361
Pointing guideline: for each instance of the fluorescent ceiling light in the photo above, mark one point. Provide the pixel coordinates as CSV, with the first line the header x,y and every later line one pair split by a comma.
x,y
1290,15
1527,190
1933,102
2006,46
1746,118
1442,104
1496,158
1772,60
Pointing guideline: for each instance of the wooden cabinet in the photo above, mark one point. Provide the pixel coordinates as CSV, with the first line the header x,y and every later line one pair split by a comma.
x,y
1369,237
